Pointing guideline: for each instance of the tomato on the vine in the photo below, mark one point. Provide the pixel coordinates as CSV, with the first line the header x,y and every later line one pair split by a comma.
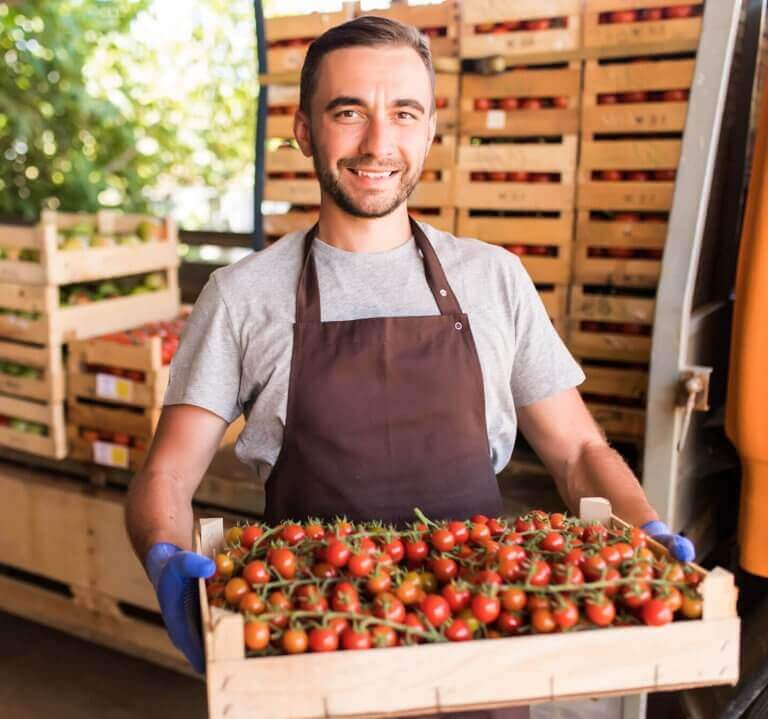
x,y
351,639
656,612
458,631
323,639
543,622
256,572
509,622
436,609
292,533
361,565
479,532
566,614
416,550
600,612
485,608
294,641
408,591
235,589
457,596
283,560
460,531
256,635
539,573
552,542
513,599
388,606
252,603
444,568
394,549
250,535
443,540
380,581
383,636
337,553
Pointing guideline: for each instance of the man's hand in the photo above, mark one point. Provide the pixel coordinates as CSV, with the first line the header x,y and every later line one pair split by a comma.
x,y
681,548
174,574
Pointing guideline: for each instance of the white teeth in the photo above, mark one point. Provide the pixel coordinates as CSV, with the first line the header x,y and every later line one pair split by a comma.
x,y
374,175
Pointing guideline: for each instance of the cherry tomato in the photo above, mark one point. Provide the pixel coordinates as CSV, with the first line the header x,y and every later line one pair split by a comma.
x,y
539,573
292,533
458,631
566,614
622,16
601,612
351,639
457,596
256,635
512,552
337,553
250,534
552,542
311,599
543,622
345,598
509,622
625,550
412,620
524,524
383,636
691,607
444,568
233,535
428,582
509,570
611,554
394,549
224,566
283,560
673,597
636,594
294,641
388,606
479,532
460,532
277,601
338,624
360,565
379,581
485,608
656,612
407,592
252,603
323,570
575,556
594,567
436,609
496,527
637,537
314,531
443,540
235,590
567,574
595,532
678,11
323,639
513,600
537,601
416,550
556,520
256,572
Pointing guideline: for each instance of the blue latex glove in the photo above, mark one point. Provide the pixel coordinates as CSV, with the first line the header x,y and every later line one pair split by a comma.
x,y
681,548
174,574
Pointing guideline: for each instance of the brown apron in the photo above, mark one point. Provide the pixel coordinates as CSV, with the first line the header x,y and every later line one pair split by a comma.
x,y
384,415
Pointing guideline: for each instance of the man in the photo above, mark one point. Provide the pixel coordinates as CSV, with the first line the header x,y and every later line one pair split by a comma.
x,y
380,364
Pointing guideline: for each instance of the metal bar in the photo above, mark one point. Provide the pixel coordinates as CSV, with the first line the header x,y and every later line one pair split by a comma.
x,y
258,242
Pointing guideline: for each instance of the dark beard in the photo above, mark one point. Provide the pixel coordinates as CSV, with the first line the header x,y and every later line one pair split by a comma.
x,y
330,185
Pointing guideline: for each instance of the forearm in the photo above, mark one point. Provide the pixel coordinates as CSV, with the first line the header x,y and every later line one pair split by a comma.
x,y
158,509
600,471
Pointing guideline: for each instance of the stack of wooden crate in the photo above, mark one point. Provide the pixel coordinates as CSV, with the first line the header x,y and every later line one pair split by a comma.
x,y
518,147
633,115
69,277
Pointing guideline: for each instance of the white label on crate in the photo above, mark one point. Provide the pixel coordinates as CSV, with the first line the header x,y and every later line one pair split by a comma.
x,y
113,455
496,119
110,387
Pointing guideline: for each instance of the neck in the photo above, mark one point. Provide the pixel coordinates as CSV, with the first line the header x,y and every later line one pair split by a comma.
x,y
363,234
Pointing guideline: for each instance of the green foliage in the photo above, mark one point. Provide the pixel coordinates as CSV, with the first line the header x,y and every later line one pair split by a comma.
x,y
119,103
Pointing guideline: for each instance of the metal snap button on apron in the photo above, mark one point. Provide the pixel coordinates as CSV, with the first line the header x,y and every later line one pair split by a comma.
x,y
458,325
444,293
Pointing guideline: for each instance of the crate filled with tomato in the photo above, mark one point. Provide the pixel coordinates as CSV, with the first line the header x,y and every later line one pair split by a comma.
x,y
629,27
327,618
115,386
543,31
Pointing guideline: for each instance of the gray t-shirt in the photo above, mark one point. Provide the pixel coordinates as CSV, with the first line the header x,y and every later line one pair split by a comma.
x,y
235,352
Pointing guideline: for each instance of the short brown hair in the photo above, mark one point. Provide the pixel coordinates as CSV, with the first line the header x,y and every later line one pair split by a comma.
x,y
365,31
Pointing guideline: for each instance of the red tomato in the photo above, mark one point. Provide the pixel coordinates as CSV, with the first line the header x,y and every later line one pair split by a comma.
x,y
458,631
531,103
677,12
249,536
252,603
460,531
634,97
235,589
383,636
607,98
622,16
675,96
488,576
625,550
552,542
457,596
436,609
394,549
294,641
509,622
323,639
408,591
443,540
652,14
380,581
656,612
595,532
323,570
594,567
496,527
517,176
486,609
512,552
567,574
314,531
601,612
337,553
610,175
360,565
256,635
479,519
637,176
388,606
345,598
283,561
566,614
509,103
482,104
543,622
256,572
444,568
539,573
350,639
416,550
533,25
479,532
560,102
635,595
664,175
292,533
497,176
411,620
509,569
611,555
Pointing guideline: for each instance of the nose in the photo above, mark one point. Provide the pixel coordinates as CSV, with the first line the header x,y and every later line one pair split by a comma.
x,y
378,139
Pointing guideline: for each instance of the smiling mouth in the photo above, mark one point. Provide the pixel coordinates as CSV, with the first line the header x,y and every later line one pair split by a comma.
x,y
373,175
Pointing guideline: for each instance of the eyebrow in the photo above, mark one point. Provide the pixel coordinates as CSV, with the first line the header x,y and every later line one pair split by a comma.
x,y
344,100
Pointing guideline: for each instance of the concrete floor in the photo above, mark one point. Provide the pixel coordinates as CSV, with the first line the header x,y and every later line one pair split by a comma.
x,y
44,673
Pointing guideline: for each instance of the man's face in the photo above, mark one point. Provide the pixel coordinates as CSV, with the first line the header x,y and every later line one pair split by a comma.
x,y
371,127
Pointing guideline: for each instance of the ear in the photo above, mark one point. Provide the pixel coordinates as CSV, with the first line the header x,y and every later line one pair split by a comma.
x,y
302,133
432,130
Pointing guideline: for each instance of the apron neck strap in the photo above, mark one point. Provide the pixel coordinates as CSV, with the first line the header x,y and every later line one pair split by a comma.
x,y
308,294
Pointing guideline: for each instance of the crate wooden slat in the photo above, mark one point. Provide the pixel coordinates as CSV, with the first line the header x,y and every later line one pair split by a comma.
x,y
614,381
608,344
560,82
444,15
61,266
619,421
435,677
130,458
555,299
61,324
627,155
633,38
298,28
434,193
50,414
529,234
636,76
606,307
441,218
550,42
442,154
138,422
447,99
47,358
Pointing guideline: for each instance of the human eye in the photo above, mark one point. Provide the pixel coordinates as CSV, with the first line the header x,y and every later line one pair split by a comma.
x,y
405,115
348,114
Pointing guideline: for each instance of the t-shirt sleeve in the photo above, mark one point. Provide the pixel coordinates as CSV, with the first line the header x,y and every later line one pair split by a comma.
x,y
206,369
542,366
